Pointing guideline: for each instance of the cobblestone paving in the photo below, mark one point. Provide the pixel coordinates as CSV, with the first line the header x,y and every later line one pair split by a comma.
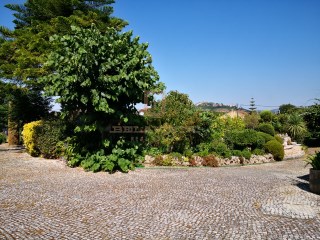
x,y
44,199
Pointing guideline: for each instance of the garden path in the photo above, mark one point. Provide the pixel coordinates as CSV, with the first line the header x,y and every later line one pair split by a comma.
x,y
44,199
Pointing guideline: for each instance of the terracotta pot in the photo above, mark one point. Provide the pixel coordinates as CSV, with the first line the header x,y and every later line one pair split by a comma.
x,y
314,181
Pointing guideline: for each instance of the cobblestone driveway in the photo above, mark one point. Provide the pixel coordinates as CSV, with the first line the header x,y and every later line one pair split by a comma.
x,y
43,199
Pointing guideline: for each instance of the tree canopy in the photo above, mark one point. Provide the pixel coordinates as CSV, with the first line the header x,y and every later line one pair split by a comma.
x,y
34,11
24,50
312,118
287,108
99,77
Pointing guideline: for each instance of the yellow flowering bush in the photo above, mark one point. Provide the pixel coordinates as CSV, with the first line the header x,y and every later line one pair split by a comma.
x,y
29,136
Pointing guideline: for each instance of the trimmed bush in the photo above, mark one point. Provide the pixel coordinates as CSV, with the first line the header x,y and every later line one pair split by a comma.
x,y
3,138
276,149
222,150
204,149
279,139
247,138
266,116
258,151
29,136
246,154
267,137
237,153
266,128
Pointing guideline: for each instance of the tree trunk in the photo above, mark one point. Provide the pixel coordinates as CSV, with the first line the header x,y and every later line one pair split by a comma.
x,y
13,128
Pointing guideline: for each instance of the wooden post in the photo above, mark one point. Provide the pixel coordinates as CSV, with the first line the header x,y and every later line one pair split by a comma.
x,y
13,128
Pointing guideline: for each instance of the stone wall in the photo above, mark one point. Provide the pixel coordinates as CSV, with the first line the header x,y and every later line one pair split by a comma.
x,y
240,160
196,161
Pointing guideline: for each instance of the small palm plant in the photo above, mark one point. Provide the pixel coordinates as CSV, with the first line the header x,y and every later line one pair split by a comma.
x,y
314,161
296,126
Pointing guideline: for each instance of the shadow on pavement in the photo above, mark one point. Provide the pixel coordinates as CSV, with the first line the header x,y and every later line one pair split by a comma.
x,y
303,186
303,183
304,177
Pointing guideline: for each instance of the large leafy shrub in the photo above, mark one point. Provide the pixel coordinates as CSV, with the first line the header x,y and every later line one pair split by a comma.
x,y
169,138
221,125
121,158
124,157
29,136
175,125
266,128
276,149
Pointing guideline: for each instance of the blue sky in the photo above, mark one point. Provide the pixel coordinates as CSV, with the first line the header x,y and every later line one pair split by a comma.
x,y
229,50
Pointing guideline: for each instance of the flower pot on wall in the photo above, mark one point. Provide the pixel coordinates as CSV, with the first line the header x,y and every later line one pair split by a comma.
x,y
314,180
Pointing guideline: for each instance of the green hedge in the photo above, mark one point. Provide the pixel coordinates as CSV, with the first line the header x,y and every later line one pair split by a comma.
x,y
244,153
42,138
279,139
49,135
242,139
267,137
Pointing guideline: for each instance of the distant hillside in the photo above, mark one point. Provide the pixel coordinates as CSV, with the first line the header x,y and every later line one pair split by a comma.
x,y
217,107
